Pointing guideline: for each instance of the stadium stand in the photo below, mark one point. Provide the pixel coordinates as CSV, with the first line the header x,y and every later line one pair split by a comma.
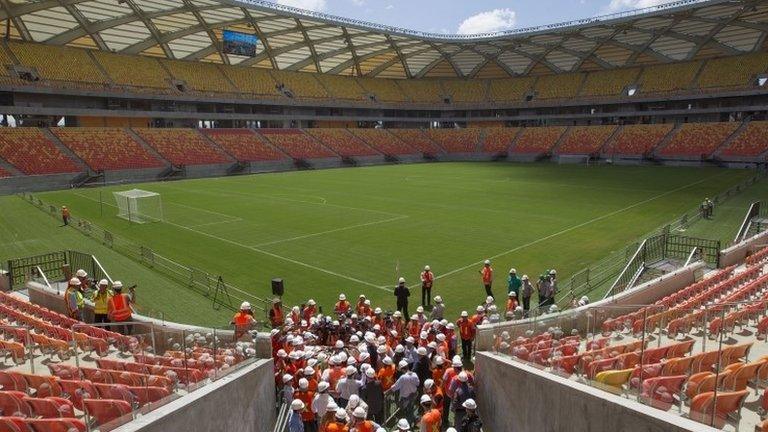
x,y
5,62
466,91
417,139
609,83
638,140
585,139
4,173
509,90
29,150
60,64
300,85
560,86
733,72
134,72
383,141
498,140
456,140
538,140
385,90
182,146
698,139
342,142
751,142
340,87
422,90
296,143
105,149
244,145
668,77
254,81
199,76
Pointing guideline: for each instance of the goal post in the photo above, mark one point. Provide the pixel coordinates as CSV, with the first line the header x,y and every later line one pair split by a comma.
x,y
139,206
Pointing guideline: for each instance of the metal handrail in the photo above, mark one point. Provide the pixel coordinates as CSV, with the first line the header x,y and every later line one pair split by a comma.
x,y
96,261
636,276
691,256
744,228
45,279
640,248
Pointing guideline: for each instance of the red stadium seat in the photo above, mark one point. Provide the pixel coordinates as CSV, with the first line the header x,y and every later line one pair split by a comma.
x,y
106,410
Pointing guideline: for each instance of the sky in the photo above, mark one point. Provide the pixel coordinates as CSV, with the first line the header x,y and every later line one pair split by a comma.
x,y
468,16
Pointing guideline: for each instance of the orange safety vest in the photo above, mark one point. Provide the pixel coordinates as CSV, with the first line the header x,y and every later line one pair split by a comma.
x,y
387,377
466,329
487,275
306,397
276,317
119,308
366,426
432,419
336,427
341,307
511,305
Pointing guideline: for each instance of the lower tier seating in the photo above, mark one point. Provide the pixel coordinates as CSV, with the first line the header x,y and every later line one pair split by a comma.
x,y
383,141
296,143
182,146
105,149
498,140
342,142
699,139
585,139
538,140
417,139
751,142
244,145
29,150
4,173
456,140
638,140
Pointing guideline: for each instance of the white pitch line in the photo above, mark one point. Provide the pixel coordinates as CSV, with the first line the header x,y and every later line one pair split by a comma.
x,y
235,218
215,223
566,230
332,231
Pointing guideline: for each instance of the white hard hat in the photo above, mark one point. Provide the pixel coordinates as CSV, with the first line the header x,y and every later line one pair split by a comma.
x,y
81,273
456,362
397,314
463,377
480,309
512,270
287,378
117,284
403,364
403,425
553,308
552,272
425,399
449,430
341,414
401,280
469,404
525,277
359,412
489,299
103,282
428,383
584,298
438,299
367,302
309,370
323,386
370,373
297,405
421,351
74,281
487,262
399,349
420,309
339,344
439,360
281,353
426,267
303,384
512,294
362,296
350,370
245,306
387,360
342,297
464,314
377,311
311,302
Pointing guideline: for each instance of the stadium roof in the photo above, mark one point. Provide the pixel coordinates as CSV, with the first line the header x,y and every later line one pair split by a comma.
x,y
295,39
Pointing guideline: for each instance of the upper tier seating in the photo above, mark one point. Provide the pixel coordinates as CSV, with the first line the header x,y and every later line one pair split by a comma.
x,y
538,140
466,91
244,145
341,87
301,85
296,143
134,71
199,76
342,142
422,91
385,90
751,142
29,150
59,63
640,139
456,140
4,173
585,139
105,149
498,140
733,72
417,139
699,139
383,141
667,77
5,61
182,146
609,83
558,86
251,80
509,89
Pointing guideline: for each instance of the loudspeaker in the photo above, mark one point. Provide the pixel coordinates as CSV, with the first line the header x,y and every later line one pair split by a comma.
x,y
277,287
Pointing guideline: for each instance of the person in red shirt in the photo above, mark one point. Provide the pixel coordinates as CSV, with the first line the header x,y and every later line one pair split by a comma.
x,y
243,320
342,306
427,279
360,307
487,276
467,330
309,311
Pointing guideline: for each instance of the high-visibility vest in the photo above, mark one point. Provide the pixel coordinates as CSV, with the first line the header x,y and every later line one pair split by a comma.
x,y
431,420
120,309
466,329
487,275
306,397
276,317
341,306
511,305
101,302
336,427
366,426
387,376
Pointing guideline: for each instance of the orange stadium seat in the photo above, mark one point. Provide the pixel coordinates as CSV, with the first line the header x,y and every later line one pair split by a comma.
x,y
383,141
106,149
456,140
29,150
637,140
538,140
498,140
342,142
585,139
751,142
699,139
296,143
182,146
244,144
4,173
417,139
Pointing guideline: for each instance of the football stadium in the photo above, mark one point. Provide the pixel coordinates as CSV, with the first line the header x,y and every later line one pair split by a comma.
x,y
240,215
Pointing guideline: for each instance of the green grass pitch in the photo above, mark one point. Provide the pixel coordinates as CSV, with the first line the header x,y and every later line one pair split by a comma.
x,y
350,230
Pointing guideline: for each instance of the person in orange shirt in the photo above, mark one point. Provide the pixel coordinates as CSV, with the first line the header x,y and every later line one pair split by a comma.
x,y
276,313
305,395
243,320
487,277
431,419
467,330
386,374
342,306
360,424
309,311
433,391
512,303
438,370
339,423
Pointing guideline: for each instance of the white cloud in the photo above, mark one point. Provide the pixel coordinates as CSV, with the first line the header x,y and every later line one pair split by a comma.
x,y
389,7
489,21
358,2
622,5
313,5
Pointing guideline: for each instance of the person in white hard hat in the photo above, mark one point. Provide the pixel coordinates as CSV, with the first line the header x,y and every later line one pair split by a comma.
x,y
321,400
276,316
372,393
100,301
463,391
342,306
309,310
73,299
438,309
431,418
359,422
402,293
427,279
295,424
486,274
83,276
527,291
347,386
513,283
243,320
407,387
403,425
471,421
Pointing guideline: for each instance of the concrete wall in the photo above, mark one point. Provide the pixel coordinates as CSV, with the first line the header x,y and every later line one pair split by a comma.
x,y
738,252
243,401
537,401
36,183
585,319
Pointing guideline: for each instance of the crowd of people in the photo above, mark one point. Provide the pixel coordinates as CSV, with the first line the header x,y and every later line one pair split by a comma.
x,y
110,304
342,372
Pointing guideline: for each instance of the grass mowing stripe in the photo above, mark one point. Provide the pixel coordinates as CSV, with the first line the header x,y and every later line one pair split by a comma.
x,y
361,225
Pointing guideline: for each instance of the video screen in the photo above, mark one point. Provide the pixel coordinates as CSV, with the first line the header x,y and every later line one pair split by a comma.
x,y
238,43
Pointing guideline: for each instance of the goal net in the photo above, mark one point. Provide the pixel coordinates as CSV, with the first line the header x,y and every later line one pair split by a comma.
x,y
139,206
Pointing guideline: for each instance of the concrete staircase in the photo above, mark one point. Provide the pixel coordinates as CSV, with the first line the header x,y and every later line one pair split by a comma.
x,y
727,142
64,149
10,168
664,142
151,150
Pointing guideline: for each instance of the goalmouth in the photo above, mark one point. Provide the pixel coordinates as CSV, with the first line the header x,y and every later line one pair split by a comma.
x,y
139,206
